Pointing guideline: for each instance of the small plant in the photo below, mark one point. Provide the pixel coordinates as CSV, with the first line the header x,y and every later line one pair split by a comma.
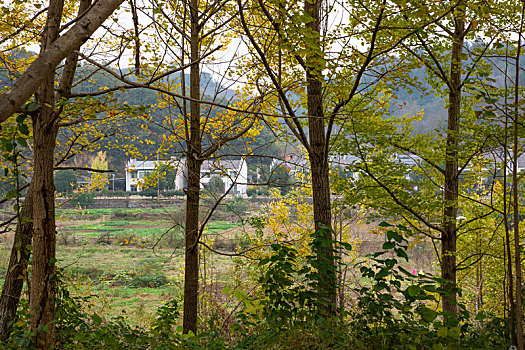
x,y
151,281
167,317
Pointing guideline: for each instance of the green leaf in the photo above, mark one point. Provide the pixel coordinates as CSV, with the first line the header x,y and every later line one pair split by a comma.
x,y
21,141
96,319
442,332
427,314
454,332
11,194
480,316
388,245
382,273
24,129
20,118
413,291
31,107
438,346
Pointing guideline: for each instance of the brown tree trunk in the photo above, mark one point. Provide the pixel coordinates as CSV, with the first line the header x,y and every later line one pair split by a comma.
x,y
42,294
45,127
508,252
191,272
517,254
318,154
450,211
17,269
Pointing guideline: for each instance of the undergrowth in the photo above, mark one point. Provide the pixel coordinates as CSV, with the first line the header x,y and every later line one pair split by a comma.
x,y
396,310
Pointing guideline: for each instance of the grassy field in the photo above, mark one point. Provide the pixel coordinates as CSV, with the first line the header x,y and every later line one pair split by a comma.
x,y
129,260
132,260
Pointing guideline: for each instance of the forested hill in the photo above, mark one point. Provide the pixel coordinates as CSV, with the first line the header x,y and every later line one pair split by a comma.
x,y
433,105
411,102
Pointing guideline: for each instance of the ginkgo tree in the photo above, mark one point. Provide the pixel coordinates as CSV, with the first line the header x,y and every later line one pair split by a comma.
x,y
318,59
456,68
38,210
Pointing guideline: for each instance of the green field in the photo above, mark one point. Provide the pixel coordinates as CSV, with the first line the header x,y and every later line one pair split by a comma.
x,y
128,260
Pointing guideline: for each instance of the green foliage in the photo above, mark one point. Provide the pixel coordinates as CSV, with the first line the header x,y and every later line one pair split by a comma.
x,y
292,288
166,320
78,328
253,191
149,192
216,186
282,179
65,181
395,309
172,193
83,199
152,281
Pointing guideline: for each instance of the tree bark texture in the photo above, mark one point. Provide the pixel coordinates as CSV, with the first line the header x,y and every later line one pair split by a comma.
x,y
45,128
451,190
318,154
194,149
515,197
42,294
17,269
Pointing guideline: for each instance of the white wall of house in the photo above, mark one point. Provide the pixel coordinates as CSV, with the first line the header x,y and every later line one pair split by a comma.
x,y
137,170
229,171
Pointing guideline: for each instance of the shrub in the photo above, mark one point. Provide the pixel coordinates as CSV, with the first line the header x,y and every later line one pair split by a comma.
x,y
172,193
251,191
65,181
83,199
151,281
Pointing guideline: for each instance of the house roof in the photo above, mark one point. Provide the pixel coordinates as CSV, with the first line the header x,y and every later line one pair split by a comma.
x,y
144,164
135,164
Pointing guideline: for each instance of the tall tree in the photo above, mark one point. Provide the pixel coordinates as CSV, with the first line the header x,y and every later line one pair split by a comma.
x,y
292,43
452,68
38,213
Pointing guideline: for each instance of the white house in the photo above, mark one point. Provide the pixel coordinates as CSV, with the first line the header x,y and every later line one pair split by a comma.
x,y
137,170
233,173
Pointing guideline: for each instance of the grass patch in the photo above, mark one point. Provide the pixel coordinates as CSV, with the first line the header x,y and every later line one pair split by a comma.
x,y
218,226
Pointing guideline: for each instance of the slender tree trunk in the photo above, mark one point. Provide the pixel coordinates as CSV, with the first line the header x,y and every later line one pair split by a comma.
x,y
508,252
449,236
17,269
517,255
194,149
319,159
42,294
45,128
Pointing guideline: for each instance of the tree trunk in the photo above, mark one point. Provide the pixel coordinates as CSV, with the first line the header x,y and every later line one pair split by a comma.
x,y
17,269
449,236
510,288
45,128
517,254
42,294
194,149
319,163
